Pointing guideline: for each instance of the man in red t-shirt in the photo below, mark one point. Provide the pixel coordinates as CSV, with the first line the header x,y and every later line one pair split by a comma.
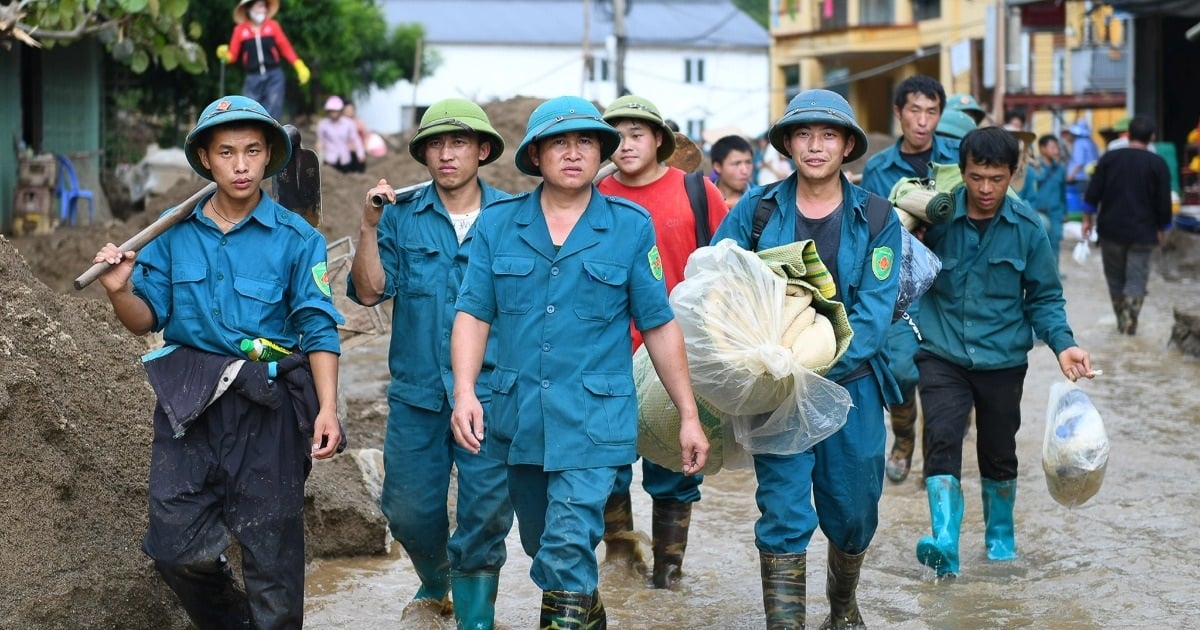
x,y
259,45
643,178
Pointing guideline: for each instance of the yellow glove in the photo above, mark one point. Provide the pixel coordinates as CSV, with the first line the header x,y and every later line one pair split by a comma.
x,y
302,72
223,53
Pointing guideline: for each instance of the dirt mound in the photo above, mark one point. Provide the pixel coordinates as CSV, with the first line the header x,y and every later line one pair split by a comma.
x,y
73,409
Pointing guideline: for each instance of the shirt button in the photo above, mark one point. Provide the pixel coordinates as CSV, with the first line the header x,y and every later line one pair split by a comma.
x,y
554,271
545,347
224,241
970,323
550,309
971,350
545,384
445,371
216,312
220,276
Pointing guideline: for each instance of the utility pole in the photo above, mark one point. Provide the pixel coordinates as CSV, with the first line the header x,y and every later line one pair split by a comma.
x,y
619,35
587,46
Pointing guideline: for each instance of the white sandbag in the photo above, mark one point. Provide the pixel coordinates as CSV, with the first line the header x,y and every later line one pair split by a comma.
x,y
1075,449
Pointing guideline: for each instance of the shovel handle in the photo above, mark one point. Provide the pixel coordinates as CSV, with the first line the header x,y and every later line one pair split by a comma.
x,y
380,200
149,233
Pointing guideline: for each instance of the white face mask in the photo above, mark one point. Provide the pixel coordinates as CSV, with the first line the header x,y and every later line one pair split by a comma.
x,y
258,16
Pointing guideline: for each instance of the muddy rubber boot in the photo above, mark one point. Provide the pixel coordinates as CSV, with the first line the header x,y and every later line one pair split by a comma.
x,y
565,610
208,593
841,586
998,500
620,542
783,589
940,551
904,428
597,617
670,528
475,599
1133,308
1121,309
433,596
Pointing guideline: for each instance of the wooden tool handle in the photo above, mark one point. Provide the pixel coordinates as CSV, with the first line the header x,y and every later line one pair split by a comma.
x,y
149,233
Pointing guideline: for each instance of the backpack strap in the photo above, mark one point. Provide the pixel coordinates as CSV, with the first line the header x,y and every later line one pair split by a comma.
x,y
762,214
694,184
878,210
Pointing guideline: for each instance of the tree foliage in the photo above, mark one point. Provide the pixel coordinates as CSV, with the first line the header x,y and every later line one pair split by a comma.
x,y
760,10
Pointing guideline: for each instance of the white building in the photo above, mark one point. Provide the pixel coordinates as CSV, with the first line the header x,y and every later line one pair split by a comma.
x,y
703,62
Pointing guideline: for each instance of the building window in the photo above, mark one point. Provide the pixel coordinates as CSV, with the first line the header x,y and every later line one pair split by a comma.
x,y
927,9
791,82
693,70
834,15
695,128
875,12
598,69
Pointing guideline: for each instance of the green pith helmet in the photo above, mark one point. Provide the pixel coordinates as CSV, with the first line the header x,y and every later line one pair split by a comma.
x,y
238,109
455,114
818,106
564,115
1122,125
967,104
954,124
642,109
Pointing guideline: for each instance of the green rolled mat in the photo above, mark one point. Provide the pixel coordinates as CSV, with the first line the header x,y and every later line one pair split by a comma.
x,y
940,208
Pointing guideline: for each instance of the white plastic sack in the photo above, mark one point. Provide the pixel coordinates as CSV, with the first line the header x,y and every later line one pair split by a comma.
x,y
1081,251
1075,449
730,306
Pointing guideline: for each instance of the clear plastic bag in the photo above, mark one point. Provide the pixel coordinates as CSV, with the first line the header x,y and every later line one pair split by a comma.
x,y
1075,448
919,267
1081,252
730,307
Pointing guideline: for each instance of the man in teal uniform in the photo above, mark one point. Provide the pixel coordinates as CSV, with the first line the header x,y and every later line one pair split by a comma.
x,y
555,277
918,105
415,249
239,266
841,476
998,281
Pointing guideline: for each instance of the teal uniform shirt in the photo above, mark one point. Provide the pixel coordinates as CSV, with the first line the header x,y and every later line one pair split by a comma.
x,y
887,167
424,267
869,299
562,389
265,277
991,290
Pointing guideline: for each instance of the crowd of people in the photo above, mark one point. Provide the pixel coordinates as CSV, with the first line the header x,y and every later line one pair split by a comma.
x,y
520,315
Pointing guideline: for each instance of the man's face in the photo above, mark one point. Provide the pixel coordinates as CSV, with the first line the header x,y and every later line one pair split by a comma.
x,y
918,119
639,147
568,161
818,149
453,158
734,171
1051,150
237,157
986,186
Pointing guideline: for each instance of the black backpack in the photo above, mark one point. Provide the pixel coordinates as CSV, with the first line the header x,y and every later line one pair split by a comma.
x,y
694,183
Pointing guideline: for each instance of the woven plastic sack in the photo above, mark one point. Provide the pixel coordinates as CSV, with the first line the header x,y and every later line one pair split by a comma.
x,y
1075,449
730,307
658,425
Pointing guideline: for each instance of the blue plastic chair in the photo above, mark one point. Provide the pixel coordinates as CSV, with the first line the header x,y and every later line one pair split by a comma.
x,y
69,192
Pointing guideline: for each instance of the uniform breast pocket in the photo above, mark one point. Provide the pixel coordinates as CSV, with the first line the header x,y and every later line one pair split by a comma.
x,y
259,300
420,262
604,293
610,407
947,281
1004,278
513,293
187,290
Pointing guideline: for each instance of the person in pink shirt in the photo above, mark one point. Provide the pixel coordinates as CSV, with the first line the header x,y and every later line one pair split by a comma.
x,y
338,141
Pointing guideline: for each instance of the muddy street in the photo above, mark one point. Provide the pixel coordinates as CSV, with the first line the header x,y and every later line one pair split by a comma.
x,y
1130,557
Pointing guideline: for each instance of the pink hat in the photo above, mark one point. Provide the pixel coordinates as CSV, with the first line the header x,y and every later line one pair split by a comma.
x,y
334,104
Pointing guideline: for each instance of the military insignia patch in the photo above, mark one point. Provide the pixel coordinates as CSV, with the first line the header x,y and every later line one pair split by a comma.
x,y
655,263
321,276
881,262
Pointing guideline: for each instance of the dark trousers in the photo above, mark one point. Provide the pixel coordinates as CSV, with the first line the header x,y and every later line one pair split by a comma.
x,y
1126,267
948,392
239,470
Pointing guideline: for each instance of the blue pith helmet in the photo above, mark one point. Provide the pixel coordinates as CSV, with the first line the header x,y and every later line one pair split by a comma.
x,y
230,109
954,124
818,106
967,104
562,115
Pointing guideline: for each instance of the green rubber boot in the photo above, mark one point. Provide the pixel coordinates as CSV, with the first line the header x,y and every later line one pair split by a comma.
x,y
783,589
940,551
998,500
565,610
475,599
433,596
904,428
670,527
841,586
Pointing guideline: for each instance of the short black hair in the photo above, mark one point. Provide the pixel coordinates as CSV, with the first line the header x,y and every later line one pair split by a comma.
x,y
671,124
1047,139
1141,128
723,147
989,146
1014,113
920,84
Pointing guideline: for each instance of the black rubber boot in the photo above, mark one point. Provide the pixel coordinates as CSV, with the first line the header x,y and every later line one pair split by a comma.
x,y
1133,308
1121,309
783,589
841,586
208,593
670,527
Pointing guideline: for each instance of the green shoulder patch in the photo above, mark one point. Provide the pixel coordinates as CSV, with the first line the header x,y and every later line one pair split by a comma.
x,y
655,263
321,277
881,262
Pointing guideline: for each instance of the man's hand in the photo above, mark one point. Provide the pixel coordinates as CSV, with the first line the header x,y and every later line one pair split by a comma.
x,y
327,435
1075,363
467,421
1087,226
117,276
693,445
371,213
223,53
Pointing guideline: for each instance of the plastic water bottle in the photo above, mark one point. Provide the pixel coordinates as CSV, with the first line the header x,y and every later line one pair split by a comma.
x,y
263,349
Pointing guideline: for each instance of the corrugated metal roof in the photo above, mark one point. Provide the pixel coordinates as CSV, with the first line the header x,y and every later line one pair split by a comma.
x,y
684,23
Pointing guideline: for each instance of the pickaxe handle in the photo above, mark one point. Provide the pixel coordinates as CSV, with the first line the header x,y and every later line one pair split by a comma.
x,y
149,233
